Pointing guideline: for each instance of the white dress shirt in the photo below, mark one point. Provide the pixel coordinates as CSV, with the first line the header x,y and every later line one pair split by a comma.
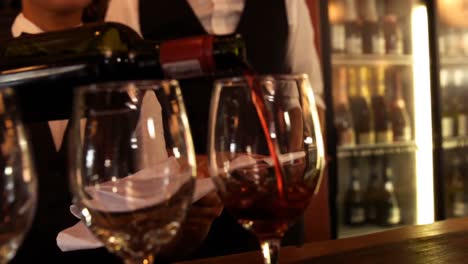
x,y
222,16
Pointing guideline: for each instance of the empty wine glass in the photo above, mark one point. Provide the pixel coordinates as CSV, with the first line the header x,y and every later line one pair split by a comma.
x,y
265,152
132,164
18,185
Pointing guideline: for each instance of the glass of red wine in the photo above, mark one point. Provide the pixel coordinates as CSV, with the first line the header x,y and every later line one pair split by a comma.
x,y
266,152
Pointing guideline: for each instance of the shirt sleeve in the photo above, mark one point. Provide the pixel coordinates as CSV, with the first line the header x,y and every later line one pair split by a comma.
x,y
125,12
302,53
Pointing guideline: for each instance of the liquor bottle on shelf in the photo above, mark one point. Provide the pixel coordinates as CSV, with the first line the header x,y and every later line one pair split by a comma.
x,y
394,40
456,190
452,41
382,122
373,37
103,52
337,26
353,28
442,41
371,196
354,204
343,118
449,113
460,106
464,41
401,125
360,107
388,209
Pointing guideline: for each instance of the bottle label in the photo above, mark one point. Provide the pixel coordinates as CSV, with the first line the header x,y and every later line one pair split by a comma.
x,y
404,135
354,44
347,138
338,37
459,209
442,45
384,136
366,138
188,57
452,44
461,125
378,44
447,127
358,215
396,46
394,217
465,43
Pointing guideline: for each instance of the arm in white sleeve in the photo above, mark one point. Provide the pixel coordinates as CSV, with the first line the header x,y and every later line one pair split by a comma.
x,y
302,53
125,12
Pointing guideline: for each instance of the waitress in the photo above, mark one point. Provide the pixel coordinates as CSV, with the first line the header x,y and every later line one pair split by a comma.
x,y
279,39
52,214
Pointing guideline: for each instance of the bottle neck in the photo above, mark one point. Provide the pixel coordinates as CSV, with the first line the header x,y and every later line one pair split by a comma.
x,y
370,11
351,11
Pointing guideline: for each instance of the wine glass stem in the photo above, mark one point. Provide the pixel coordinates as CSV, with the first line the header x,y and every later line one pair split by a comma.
x,y
143,260
270,250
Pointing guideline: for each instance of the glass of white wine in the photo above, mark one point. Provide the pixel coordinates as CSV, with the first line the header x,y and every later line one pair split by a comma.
x,y
132,164
18,184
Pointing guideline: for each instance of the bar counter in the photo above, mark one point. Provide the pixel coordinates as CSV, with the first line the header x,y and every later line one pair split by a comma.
x,y
440,242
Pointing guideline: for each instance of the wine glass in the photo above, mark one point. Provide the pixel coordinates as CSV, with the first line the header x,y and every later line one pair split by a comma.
x,y
266,152
18,184
132,164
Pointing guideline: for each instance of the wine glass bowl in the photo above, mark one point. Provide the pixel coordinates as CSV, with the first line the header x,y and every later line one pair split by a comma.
x,y
265,152
132,164
18,184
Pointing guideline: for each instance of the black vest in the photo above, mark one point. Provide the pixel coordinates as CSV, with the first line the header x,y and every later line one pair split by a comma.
x,y
264,26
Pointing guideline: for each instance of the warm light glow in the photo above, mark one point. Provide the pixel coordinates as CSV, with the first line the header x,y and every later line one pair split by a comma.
x,y
151,130
422,117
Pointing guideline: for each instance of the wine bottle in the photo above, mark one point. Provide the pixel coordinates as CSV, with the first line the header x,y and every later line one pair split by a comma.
x,y
388,209
360,107
394,41
456,190
399,114
372,30
353,28
343,118
382,122
354,205
337,26
452,38
459,104
372,193
449,112
103,52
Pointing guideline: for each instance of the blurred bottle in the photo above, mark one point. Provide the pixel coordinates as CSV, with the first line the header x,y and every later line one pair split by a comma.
x,y
449,112
401,125
452,41
388,209
372,193
354,204
464,41
382,122
360,107
373,37
394,40
353,28
343,118
337,26
456,190
460,105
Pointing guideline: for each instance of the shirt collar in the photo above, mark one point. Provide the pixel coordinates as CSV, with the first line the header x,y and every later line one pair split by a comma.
x,y
24,25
